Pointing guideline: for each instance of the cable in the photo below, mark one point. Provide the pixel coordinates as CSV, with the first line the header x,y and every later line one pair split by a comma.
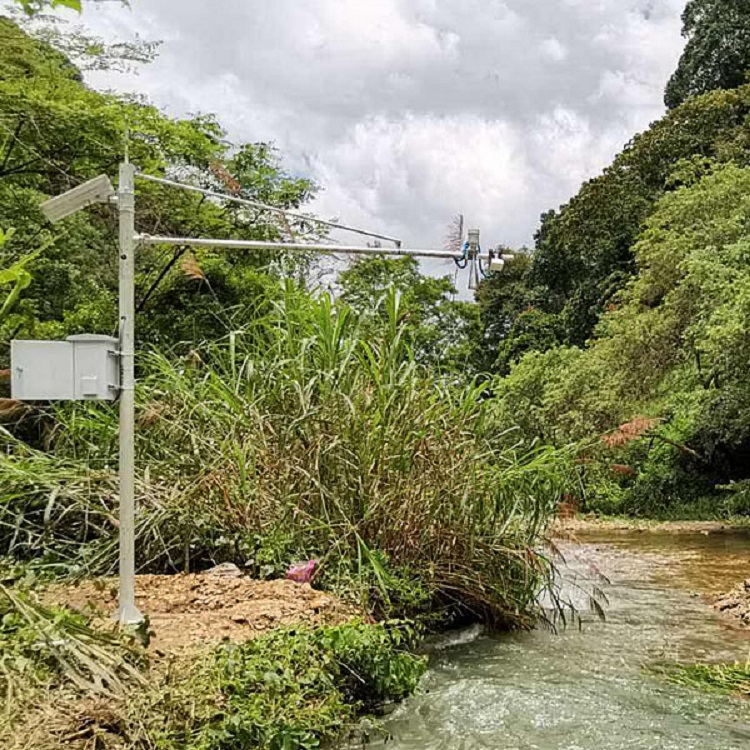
x,y
266,207
485,274
463,261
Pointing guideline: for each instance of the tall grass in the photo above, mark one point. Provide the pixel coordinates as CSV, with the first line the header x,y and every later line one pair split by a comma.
x,y
299,437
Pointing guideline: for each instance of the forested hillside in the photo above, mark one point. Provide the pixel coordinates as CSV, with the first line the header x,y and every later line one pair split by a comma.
x,y
627,327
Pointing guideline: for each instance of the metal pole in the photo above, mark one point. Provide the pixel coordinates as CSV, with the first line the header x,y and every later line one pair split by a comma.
x,y
146,239
128,613
474,250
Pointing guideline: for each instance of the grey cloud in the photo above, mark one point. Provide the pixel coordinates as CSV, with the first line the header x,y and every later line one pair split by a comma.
x,y
406,111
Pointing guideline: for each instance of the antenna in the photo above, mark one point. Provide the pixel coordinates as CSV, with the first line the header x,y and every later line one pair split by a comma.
x,y
473,250
454,240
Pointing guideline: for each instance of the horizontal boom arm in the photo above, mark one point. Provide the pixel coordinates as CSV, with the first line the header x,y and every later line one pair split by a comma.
x,y
146,239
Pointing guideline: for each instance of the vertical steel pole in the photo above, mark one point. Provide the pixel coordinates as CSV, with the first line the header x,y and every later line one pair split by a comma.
x,y
474,249
128,613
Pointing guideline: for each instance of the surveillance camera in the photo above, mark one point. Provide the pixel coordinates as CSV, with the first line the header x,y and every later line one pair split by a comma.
x,y
497,263
98,190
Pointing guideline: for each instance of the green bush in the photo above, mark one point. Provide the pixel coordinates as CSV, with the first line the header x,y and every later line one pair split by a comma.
x,y
668,363
290,690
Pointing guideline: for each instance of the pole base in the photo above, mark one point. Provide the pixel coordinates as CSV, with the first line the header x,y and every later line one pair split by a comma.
x,y
129,615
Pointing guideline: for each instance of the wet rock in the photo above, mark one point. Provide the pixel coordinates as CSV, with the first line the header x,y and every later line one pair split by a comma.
x,y
736,603
726,604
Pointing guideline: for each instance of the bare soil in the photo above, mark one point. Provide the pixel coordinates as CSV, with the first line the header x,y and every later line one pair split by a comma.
x,y
190,610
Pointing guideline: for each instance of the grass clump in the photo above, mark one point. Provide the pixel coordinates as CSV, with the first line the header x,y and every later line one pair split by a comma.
x,y
723,678
54,648
301,437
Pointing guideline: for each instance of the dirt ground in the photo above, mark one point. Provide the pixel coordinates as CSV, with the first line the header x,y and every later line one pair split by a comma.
x,y
187,610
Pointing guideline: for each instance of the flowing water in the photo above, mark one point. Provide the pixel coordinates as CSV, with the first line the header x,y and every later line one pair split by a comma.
x,y
587,689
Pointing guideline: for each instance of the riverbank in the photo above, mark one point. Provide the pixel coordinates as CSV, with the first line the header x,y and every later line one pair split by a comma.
x,y
244,659
588,524
212,678
594,686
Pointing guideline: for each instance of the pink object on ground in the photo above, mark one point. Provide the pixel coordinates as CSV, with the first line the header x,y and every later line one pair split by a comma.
x,y
302,572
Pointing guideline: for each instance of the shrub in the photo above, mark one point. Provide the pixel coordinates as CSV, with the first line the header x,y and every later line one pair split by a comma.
x,y
291,689
288,690
302,432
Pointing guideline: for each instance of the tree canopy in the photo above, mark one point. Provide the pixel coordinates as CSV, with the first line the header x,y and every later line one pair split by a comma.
x,y
35,6
56,133
672,352
584,251
441,331
717,54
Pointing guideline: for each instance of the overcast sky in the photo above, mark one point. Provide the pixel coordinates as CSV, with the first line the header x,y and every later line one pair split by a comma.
x,y
407,112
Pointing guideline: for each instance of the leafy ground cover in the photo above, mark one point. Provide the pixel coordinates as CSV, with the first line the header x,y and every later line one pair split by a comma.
x,y
69,685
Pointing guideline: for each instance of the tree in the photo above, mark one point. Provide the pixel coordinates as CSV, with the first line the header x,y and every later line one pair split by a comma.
x,y
441,331
671,353
717,55
32,7
513,317
56,133
36,6
584,251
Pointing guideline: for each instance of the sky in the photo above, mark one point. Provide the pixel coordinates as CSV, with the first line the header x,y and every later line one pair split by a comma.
x,y
407,112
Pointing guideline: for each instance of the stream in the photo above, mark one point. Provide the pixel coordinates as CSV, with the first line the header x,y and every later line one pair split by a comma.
x,y
587,689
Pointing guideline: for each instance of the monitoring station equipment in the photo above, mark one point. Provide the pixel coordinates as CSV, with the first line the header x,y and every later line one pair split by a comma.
x,y
102,368
98,190
81,368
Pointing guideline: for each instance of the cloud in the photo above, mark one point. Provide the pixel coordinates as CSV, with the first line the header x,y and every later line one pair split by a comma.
x,y
554,49
419,170
407,111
